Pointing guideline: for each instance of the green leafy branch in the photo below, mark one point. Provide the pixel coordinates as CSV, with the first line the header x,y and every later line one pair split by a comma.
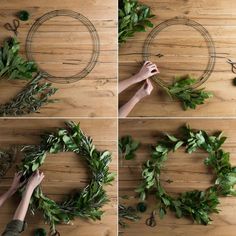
x,y
12,65
128,147
182,90
133,17
127,213
30,99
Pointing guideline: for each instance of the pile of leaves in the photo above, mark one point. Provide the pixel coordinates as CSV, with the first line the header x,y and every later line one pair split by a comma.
x,y
133,17
197,205
127,147
127,213
35,94
30,99
12,65
86,202
182,90
6,160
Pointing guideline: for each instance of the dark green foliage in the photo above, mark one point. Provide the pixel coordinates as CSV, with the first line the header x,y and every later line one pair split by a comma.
x,y
133,17
12,65
127,147
127,213
141,207
23,15
195,204
6,160
181,90
30,99
85,203
40,232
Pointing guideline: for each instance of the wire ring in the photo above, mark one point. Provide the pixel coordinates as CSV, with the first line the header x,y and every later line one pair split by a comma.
x,y
93,33
183,21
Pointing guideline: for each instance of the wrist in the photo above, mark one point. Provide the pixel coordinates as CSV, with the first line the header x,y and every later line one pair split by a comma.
x,y
137,78
11,191
29,190
136,98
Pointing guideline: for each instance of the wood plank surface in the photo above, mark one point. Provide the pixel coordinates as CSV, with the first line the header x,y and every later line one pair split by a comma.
x,y
63,172
185,52
62,46
186,171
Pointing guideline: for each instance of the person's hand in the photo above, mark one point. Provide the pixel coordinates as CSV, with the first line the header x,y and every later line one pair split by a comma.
x,y
16,183
145,90
148,69
35,180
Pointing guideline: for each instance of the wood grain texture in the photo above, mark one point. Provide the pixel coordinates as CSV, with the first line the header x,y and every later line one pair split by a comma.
x,y
185,52
187,171
64,172
62,47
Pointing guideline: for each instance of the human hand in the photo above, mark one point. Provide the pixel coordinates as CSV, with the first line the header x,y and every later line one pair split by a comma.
x,y
35,180
148,69
16,183
145,90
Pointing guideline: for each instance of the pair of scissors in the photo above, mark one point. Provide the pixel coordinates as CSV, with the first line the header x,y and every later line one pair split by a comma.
x,y
14,27
233,64
151,221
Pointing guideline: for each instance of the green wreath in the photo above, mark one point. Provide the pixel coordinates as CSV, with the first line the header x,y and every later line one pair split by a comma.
x,y
85,203
194,204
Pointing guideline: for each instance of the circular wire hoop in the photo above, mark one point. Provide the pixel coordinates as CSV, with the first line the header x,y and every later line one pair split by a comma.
x,y
94,36
205,34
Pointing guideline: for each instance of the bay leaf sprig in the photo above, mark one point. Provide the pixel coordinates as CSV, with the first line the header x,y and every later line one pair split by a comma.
x,y
182,90
133,17
30,99
196,204
128,147
12,65
127,213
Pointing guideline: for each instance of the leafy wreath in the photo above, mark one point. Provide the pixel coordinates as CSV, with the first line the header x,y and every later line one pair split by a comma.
x,y
194,204
85,203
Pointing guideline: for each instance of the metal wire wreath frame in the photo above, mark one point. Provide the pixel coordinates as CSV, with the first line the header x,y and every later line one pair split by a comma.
x,y
183,21
94,35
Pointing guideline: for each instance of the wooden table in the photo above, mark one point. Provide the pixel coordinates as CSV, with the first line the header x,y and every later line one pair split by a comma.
x,y
63,173
62,46
185,52
187,171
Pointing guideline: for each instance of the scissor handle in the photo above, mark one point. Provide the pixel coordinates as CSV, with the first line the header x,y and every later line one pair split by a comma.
x,y
151,222
8,26
56,233
16,23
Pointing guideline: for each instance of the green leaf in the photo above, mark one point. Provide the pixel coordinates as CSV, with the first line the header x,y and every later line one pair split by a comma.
x,y
128,147
35,166
162,212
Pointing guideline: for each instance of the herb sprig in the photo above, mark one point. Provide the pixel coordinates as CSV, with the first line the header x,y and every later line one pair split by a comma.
x,y
127,147
6,160
30,99
133,17
127,213
196,204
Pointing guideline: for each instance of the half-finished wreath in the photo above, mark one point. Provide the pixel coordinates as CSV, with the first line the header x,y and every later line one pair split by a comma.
x,y
194,204
85,203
